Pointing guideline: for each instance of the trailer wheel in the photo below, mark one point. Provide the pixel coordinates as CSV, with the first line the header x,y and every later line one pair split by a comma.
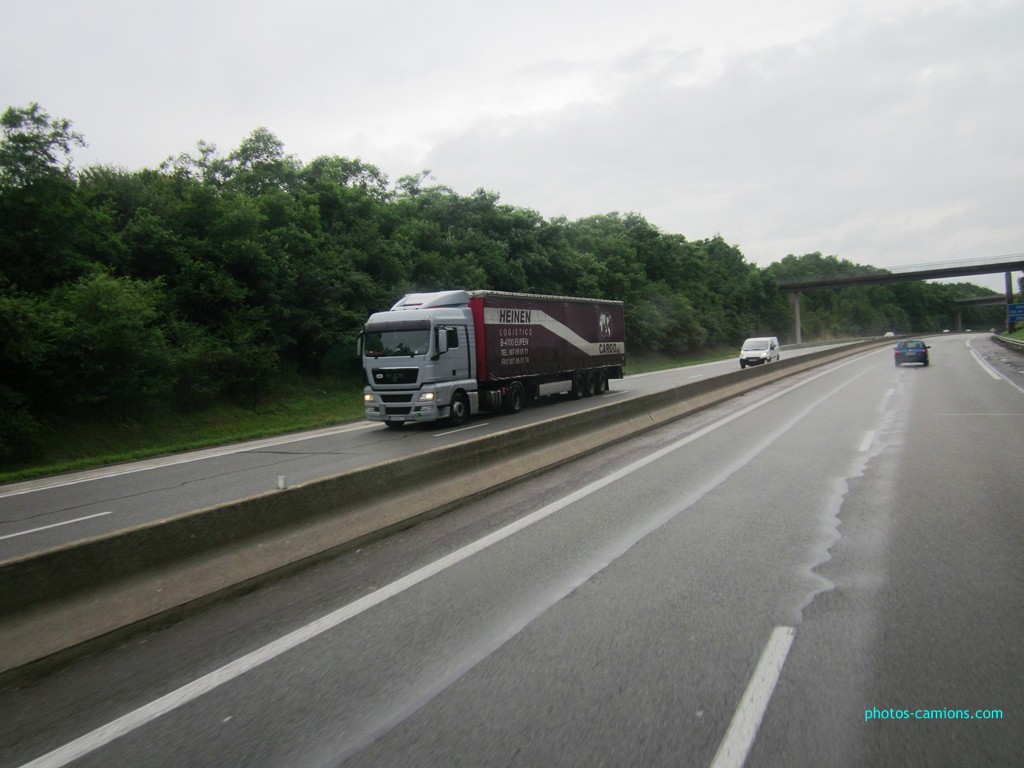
x,y
515,400
578,387
458,413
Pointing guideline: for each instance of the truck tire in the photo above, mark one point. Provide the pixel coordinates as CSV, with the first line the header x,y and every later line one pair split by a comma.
x,y
515,400
579,387
458,412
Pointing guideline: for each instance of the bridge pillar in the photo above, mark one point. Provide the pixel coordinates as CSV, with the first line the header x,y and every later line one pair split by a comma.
x,y
794,306
1010,326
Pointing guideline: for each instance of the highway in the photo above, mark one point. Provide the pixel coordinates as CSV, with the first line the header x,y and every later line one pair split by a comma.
x,y
808,574
51,512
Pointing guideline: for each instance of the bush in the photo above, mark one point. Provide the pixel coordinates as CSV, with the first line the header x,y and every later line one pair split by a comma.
x,y
19,431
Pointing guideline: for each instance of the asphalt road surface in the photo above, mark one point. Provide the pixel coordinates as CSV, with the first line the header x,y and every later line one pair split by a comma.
x,y
51,512
826,571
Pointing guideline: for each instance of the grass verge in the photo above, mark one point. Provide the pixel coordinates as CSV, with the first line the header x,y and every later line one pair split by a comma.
x,y
295,404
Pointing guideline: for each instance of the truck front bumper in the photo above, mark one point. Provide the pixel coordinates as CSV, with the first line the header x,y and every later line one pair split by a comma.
x,y
400,407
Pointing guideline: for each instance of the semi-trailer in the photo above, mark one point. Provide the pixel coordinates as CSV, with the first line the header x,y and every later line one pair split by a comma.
x,y
451,354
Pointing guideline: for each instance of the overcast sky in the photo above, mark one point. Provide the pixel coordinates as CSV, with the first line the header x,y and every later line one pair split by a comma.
x,y
885,132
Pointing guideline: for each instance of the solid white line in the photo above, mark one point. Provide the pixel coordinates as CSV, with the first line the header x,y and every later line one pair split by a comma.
x,y
136,719
984,366
990,369
865,444
145,465
747,720
54,525
474,425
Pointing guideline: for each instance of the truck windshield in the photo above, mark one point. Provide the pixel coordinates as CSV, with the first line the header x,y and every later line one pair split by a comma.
x,y
403,342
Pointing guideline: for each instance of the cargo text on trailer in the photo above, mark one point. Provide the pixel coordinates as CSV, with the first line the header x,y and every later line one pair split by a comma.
x,y
450,354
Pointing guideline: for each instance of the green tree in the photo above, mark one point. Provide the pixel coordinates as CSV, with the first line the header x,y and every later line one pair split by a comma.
x,y
42,222
35,145
112,350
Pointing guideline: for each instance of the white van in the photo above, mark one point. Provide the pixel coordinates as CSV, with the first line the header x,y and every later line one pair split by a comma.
x,y
761,349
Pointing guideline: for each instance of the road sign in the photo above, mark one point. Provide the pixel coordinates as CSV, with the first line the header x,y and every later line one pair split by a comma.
x,y
1016,312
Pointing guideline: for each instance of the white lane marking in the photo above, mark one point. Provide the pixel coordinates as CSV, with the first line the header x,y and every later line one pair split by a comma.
x,y
145,465
735,747
54,525
984,366
865,444
990,369
131,721
474,425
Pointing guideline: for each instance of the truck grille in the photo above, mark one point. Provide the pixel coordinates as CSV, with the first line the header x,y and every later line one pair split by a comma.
x,y
395,375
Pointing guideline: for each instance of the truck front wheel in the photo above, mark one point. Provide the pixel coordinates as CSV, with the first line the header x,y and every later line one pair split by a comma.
x,y
458,413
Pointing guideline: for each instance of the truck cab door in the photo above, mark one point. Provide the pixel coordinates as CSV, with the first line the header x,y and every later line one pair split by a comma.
x,y
453,361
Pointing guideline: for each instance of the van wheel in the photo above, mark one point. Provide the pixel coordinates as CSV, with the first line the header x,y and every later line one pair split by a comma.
x,y
458,413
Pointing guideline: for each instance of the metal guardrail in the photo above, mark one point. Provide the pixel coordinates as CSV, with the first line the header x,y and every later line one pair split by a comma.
x,y
1006,341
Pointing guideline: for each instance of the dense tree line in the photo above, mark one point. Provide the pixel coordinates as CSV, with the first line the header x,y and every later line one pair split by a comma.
x,y
125,291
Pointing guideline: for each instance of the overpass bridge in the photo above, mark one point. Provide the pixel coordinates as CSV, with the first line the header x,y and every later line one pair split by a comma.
x,y
992,265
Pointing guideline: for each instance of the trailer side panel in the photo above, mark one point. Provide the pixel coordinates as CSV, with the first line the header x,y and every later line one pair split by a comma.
x,y
521,336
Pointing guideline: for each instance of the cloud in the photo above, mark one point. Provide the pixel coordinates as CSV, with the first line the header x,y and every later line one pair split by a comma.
x,y
885,142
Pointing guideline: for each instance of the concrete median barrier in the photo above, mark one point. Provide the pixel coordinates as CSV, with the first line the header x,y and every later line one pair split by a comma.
x,y
70,596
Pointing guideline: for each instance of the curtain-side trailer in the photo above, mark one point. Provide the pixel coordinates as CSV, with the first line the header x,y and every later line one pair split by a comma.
x,y
450,354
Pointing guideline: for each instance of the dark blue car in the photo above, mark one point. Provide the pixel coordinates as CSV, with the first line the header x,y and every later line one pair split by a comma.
x,y
911,351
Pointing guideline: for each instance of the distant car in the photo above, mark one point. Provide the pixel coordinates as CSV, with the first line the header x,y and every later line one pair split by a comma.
x,y
889,334
912,351
761,349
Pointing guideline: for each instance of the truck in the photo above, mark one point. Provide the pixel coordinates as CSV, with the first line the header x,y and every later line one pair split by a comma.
x,y
451,354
